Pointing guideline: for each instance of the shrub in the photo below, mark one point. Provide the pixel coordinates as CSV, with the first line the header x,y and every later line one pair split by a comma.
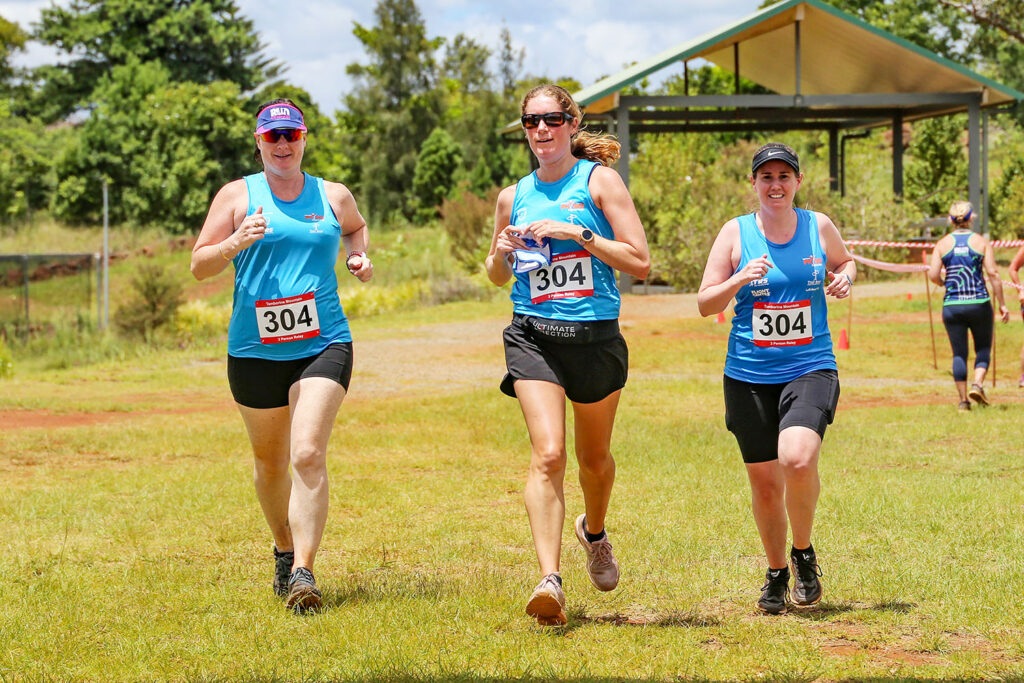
x,y
197,321
469,222
156,296
6,360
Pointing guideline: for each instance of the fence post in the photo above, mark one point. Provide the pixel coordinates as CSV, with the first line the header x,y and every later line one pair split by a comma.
x,y
24,276
96,261
106,259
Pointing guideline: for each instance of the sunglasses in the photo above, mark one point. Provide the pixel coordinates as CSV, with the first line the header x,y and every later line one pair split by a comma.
x,y
552,119
289,134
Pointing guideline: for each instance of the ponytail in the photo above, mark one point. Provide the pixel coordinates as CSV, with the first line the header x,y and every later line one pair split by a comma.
x,y
600,147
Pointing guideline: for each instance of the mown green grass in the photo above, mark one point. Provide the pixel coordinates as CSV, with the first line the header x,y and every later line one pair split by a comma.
x,y
134,548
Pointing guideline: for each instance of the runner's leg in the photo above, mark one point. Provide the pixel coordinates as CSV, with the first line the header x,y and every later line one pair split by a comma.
x,y
767,488
798,457
269,435
594,423
543,405
314,405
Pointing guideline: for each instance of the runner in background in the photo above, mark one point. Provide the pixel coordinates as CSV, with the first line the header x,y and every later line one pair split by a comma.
x,y
781,382
959,263
562,232
289,346
1015,264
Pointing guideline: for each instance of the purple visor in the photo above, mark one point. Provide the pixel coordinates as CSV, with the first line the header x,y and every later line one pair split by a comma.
x,y
280,115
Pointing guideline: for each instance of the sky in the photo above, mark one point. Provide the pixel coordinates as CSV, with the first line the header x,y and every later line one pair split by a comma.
x,y
583,39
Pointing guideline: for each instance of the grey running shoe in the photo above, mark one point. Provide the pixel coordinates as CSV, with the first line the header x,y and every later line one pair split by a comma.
x,y
547,604
602,568
775,592
282,570
977,394
963,406
806,585
303,595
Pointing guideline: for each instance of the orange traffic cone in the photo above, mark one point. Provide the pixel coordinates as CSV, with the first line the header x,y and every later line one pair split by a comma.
x,y
720,318
909,296
844,342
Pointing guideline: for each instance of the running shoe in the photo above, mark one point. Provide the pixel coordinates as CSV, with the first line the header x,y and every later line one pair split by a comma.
x,y
303,595
282,570
602,568
775,592
806,573
547,604
1020,382
977,394
963,406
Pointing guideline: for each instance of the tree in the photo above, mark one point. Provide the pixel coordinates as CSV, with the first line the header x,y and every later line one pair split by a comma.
x,y
394,106
434,179
12,39
165,147
200,41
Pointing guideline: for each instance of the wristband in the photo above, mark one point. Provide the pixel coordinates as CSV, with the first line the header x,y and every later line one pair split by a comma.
x,y
360,254
224,256
848,279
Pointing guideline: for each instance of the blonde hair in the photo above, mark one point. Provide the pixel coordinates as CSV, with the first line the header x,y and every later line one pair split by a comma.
x,y
600,147
960,213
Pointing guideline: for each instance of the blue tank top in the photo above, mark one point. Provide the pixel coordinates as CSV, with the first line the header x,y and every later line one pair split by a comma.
x,y
780,328
286,291
577,285
965,283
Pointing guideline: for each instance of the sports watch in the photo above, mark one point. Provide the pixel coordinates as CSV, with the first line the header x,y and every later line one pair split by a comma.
x,y
586,236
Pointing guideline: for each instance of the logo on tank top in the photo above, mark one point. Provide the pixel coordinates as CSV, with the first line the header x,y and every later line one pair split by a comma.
x,y
763,284
572,206
313,217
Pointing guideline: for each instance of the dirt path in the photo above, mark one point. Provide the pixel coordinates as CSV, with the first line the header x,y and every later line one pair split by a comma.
x,y
427,359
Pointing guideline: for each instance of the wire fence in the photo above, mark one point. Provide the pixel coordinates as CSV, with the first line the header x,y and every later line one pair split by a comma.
x,y
40,292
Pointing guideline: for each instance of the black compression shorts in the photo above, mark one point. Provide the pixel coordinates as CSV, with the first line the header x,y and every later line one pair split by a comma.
x,y
261,383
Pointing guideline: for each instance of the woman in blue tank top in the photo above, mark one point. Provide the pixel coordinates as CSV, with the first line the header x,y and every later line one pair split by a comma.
x,y
289,347
781,385
562,232
959,263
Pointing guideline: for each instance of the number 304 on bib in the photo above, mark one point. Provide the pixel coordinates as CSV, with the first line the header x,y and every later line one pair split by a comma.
x,y
782,324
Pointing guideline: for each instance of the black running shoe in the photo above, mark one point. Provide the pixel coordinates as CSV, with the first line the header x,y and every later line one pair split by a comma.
x,y
303,595
806,585
775,592
282,570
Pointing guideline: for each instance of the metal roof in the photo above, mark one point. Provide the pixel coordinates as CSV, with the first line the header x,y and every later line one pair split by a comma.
x,y
841,54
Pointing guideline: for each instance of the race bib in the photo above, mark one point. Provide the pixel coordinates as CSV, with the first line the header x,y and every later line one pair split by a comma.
x,y
569,275
786,324
289,319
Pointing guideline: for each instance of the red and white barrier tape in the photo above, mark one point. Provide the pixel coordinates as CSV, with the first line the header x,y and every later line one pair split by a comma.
x,y
996,244
891,267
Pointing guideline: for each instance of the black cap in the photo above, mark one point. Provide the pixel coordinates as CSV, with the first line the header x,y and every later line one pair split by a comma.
x,y
773,153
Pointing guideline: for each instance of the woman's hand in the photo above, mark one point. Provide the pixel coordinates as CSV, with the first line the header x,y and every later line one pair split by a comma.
x,y
509,239
252,229
554,230
754,270
839,286
1004,313
359,264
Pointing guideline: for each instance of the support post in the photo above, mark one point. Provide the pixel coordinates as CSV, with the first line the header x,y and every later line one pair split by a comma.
x,y
106,259
622,126
796,56
897,154
974,153
24,278
736,68
97,262
833,159
984,173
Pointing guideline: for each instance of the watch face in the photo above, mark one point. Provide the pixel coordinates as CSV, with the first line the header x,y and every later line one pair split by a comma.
x,y
587,235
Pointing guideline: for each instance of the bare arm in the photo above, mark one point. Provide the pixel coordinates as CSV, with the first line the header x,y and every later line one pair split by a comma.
x,y
842,269
1015,264
935,265
355,236
992,270
226,231
504,241
721,281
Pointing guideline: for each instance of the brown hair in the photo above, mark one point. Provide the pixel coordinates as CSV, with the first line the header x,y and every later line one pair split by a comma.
x,y
281,100
960,213
600,147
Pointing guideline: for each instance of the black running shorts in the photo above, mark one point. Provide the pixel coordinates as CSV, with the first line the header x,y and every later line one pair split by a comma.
x,y
261,383
756,413
590,360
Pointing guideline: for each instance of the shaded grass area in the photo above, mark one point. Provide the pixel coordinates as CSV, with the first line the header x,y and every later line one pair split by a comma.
x,y
134,548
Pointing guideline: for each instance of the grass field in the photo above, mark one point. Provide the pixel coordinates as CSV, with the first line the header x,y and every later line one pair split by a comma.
x,y
134,547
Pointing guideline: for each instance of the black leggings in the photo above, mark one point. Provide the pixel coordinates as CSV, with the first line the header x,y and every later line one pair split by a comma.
x,y
959,318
